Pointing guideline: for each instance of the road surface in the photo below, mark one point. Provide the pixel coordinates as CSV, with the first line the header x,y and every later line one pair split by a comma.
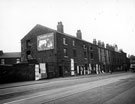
x,y
118,88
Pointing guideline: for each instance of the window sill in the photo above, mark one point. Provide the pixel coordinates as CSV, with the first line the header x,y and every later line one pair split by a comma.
x,y
65,44
66,56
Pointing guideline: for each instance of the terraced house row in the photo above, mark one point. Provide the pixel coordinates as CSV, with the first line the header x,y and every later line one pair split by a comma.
x,y
65,55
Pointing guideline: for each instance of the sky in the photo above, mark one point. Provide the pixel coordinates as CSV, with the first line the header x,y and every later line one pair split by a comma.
x,y
110,21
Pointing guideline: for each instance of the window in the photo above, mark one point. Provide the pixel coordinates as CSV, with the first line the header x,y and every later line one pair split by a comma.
x,y
65,52
29,56
2,61
64,41
74,53
91,48
85,54
28,52
84,46
73,43
91,55
28,43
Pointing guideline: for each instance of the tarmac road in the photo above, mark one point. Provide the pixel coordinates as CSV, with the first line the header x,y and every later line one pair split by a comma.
x,y
106,89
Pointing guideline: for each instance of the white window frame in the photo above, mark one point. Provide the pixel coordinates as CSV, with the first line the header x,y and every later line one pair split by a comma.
x,y
64,41
73,42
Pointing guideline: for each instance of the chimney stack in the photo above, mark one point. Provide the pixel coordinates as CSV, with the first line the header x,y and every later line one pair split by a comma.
x,y
99,43
79,34
107,46
94,41
103,44
60,27
1,52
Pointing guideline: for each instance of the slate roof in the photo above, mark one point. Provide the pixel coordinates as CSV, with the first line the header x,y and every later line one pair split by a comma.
x,y
11,55
38,27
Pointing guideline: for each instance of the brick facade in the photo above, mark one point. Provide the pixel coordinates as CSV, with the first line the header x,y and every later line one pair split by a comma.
x,y
87,57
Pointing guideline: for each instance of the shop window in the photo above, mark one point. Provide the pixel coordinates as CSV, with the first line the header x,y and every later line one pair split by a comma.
x,y
64,41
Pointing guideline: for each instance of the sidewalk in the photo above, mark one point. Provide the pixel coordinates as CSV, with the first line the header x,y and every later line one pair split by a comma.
x,y
17,84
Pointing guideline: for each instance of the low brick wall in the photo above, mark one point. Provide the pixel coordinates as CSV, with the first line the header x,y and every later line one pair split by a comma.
x,y
16,73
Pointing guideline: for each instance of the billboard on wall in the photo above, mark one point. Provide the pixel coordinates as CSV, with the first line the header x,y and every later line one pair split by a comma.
x,y
45,42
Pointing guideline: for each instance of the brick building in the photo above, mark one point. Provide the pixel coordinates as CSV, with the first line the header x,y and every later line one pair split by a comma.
x,y
67,55
8,58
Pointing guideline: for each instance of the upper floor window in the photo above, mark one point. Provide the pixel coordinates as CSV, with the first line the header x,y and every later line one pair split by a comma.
x,y
91,55
28,53
73,43
65,52
91,48
85,54
74,52
84,46
28,43
64,41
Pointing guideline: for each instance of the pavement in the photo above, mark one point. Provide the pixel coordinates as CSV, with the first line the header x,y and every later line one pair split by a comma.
x,y
25,83
105,89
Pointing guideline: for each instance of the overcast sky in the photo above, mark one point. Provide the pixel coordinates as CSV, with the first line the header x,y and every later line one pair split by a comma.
x,y
111,21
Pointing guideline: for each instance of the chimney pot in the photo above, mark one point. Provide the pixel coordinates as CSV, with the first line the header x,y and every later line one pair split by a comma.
x,y
79,34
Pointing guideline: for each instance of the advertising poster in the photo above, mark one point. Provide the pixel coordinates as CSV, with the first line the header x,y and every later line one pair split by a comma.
x,y
42,67
43,70
45,42
37,74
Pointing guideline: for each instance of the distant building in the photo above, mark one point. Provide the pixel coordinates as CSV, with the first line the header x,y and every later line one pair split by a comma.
x,y
67,55
10,58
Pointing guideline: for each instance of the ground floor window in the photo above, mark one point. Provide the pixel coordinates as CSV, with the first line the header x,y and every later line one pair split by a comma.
x,y
2,61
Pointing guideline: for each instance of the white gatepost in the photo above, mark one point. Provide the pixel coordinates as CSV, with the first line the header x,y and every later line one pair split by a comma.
x,y
77,69
72,67
90,68
81,70
84,71
97,69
